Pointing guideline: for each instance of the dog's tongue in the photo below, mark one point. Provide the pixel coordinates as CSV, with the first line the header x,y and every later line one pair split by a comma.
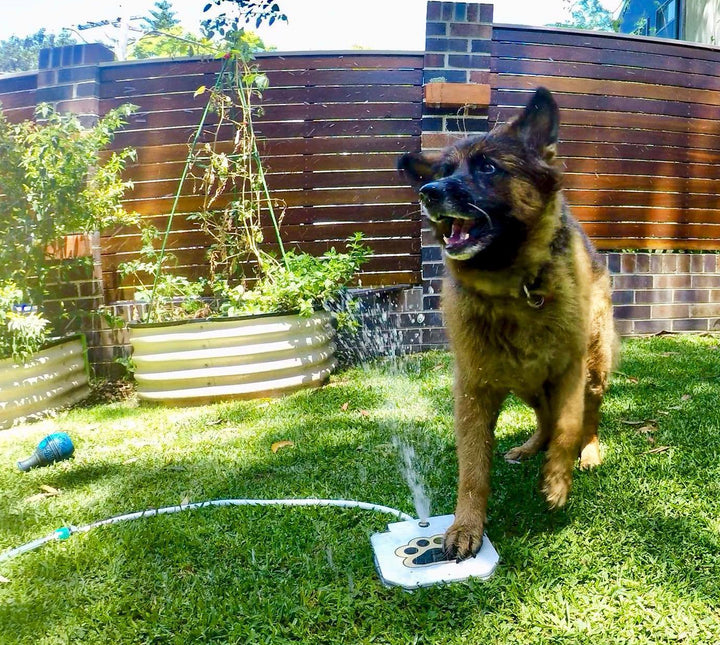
x,y
460,232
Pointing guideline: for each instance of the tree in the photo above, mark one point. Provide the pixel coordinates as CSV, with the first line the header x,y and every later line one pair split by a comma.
x,y
55,180
163,18
170,43
20,54
588,14
165,38
245,11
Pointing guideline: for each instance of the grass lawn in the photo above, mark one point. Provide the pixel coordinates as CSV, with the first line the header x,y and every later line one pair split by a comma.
x,y
634,557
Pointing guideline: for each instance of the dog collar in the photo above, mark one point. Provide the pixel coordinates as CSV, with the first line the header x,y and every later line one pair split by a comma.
x,y
529,291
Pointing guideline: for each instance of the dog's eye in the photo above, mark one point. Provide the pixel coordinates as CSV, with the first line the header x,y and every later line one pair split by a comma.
x,y
486,167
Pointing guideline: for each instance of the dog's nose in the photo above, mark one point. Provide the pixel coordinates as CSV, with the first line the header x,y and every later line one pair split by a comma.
x,y
431,193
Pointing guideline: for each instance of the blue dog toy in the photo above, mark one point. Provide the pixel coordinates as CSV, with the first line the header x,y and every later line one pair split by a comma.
x,y
54,447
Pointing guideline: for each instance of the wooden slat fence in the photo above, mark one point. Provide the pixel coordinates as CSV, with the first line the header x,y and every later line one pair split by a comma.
x,y
640,137
332,128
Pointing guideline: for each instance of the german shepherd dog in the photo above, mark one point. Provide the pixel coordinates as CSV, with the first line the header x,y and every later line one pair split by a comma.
x,y
526,301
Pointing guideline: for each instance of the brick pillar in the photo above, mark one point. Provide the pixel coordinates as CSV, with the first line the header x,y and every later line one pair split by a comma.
x,y
457,71
456,94
69,80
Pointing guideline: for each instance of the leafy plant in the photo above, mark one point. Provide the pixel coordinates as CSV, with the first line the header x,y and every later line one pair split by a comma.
x,y
53,182
174,296
235,174
236,205
302,283
245,11
22,333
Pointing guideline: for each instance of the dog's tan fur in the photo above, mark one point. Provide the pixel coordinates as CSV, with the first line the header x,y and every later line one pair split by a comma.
x,y
540,327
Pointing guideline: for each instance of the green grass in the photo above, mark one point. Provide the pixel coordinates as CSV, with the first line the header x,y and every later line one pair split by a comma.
x,y
634,557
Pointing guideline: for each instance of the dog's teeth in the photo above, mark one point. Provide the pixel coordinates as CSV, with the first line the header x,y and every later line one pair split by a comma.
x,y
446,239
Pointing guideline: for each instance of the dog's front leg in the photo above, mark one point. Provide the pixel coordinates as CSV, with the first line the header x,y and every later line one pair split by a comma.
x,y
476,412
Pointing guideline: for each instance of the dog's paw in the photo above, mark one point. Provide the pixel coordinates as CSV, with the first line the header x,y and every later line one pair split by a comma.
x,y
590,456
463,540
526,451
556,487
519,453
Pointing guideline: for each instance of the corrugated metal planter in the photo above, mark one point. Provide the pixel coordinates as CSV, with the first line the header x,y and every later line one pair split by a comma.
x,y
54,377
222,358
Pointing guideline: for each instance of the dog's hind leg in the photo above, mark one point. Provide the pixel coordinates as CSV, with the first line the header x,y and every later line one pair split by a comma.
x,y
567,401
590,447
602,354
540,437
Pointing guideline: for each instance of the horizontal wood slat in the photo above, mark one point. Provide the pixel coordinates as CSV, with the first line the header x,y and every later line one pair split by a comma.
x,y
330,130
639,139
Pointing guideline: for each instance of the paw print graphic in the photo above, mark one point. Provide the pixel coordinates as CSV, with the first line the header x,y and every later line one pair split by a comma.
x,y
422,551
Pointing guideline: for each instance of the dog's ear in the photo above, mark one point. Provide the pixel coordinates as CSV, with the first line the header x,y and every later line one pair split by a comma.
x,y
419,167
538,124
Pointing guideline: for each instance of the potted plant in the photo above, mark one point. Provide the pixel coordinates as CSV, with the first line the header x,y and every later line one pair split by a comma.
x,y
254,326
53,183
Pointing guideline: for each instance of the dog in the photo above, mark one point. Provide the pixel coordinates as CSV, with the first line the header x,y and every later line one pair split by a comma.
x,y
526,302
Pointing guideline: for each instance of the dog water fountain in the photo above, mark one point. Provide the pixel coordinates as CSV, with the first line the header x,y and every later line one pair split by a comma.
x,y
410,555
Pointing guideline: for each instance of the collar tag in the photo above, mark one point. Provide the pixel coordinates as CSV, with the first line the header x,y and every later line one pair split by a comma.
x,y
534,300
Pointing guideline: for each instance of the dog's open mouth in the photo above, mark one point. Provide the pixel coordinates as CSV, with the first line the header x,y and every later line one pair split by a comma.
x,y
467,237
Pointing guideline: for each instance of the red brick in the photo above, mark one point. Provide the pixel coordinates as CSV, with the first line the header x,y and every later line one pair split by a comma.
x,y
642,263
624,327
480,76
683,263
628,262
705,310
670,311
632,281
678,281
694,295
651,326
709,280
632,312
434,10
437,140
435,60
696,263
653,296
690,324
470,30
456,94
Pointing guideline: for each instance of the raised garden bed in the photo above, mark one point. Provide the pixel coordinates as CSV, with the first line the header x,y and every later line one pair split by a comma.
x,y
222,358
54,377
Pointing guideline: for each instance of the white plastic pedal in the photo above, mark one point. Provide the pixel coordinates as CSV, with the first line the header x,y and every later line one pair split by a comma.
x,y
410,555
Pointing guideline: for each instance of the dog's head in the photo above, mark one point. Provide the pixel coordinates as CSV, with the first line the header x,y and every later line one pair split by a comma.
x,y
484,194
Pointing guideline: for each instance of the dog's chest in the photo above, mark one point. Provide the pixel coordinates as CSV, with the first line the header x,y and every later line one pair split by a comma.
x,y
511,343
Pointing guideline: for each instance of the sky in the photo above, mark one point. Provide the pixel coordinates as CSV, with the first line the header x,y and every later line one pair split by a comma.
x,y
397,25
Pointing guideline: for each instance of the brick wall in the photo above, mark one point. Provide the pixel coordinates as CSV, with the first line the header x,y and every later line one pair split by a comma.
x,y
672,292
